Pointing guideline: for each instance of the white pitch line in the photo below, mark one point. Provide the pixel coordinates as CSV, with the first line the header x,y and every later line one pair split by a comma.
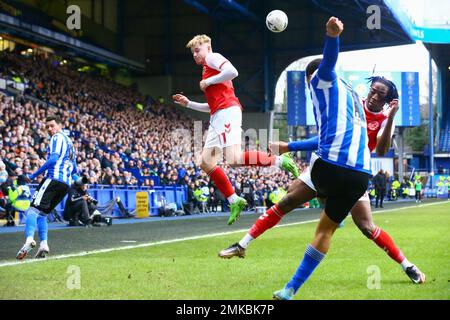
x,y
150,244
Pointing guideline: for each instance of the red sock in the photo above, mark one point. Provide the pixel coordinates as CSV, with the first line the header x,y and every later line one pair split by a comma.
x,y
385,242
266,221
258,158
221,181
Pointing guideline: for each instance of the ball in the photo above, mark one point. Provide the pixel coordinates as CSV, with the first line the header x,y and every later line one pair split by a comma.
x,y
276,21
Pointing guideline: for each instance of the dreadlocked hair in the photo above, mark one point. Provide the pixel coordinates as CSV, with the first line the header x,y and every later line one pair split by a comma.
x,y
392,93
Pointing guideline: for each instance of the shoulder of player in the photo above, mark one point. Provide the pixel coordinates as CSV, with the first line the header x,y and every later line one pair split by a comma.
x,y
60,136
379,116
215,59
57,136
214,55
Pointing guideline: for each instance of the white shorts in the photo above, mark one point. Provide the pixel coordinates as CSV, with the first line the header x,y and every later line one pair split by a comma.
x,y
306,178
225,128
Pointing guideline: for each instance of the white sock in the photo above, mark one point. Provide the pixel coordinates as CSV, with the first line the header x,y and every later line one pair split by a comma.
x,y
29,240
233,198
278,162
44,243
406,264
245,241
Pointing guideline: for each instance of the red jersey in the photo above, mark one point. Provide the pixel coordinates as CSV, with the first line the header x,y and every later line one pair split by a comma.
x,y
376,121
220,95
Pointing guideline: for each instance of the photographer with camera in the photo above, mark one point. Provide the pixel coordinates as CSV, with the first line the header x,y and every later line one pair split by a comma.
x,y
79,206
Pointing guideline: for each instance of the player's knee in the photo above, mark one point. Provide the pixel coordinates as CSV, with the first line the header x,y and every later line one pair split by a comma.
x,y
206,167
287,204
366,228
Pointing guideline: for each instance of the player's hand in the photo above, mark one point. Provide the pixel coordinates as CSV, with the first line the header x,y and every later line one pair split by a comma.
x,y
334,27
203,85
278,147
180,99
392,109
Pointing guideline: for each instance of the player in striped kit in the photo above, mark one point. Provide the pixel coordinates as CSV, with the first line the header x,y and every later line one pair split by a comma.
x,y
60,169
342,156
380,128
339,114
224,133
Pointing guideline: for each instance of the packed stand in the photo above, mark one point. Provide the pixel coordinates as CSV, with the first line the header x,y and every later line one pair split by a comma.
x,y
116,143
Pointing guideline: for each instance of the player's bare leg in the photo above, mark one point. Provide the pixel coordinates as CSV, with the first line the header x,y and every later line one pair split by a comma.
x,y
210,157
362,216
324,232
298,193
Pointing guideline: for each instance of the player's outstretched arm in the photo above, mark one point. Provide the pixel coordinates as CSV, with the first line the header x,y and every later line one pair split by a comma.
x,y
74,173
309,144
185,102
50,161
384,139
280,147
331,50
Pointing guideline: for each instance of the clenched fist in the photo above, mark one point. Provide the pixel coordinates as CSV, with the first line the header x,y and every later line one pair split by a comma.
x,y
334,27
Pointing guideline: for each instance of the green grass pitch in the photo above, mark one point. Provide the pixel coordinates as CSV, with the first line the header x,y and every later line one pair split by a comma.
x,y
191,269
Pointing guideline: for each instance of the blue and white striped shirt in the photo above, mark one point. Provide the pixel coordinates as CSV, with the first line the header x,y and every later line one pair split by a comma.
x,y
339,115
65,166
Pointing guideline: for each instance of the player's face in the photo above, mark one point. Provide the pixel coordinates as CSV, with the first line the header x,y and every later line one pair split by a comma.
x,y
376,99
53,127
199,53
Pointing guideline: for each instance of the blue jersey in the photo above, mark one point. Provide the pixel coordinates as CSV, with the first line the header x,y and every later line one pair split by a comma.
x,y
65,166
339,115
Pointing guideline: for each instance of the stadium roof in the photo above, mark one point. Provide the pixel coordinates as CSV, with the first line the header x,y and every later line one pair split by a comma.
x,y
238,31
153,35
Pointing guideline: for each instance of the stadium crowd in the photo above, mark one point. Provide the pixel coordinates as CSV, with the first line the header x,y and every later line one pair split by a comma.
x,y
121,137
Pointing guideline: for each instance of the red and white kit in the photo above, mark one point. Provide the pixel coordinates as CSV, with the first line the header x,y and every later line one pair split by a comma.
x,y
376,122
225,128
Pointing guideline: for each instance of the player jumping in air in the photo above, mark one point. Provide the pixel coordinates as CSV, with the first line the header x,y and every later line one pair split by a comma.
x,y
224,133
60,169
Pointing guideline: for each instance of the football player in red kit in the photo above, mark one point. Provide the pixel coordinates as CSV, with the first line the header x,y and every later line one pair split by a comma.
x,y
380,128
225,129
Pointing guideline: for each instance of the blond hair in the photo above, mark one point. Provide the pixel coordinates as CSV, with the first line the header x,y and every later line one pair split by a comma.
x,y
198,40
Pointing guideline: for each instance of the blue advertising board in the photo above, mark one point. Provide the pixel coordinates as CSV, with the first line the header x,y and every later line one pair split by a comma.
x,y
300,109
296,97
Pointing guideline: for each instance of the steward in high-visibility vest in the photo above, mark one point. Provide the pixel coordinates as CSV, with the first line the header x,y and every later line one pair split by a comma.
x,y
19,198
